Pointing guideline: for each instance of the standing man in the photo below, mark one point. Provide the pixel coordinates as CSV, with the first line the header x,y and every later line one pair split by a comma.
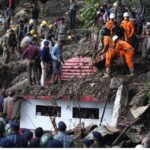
x,y
8,42
57,58
35,14
65,139
31,53
72,13
128,27
118,10
45,61
62,31
43,30
111,24
11,7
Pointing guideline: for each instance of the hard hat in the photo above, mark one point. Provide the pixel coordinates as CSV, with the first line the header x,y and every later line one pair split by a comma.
x,y
45,139
43,23
50,26
126,14
115,4
32,32
31,22
14,29
115,37
2,128
35,35
69,37
112,16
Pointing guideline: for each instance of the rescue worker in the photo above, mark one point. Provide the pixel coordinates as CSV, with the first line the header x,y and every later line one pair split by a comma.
x,y
62,31
128,27
31,53
125,50
109,49
111,23
20,31
72,14
31,25
50,34
43,30
8,42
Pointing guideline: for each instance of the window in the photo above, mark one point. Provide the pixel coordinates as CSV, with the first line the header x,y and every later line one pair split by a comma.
x,y
86,113
48,111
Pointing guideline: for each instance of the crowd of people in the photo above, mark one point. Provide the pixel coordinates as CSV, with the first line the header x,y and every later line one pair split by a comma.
x,y
118,33
41,45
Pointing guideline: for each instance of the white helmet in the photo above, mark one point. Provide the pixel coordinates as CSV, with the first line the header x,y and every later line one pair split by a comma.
x,y
115,37
115,4
126,14
112,16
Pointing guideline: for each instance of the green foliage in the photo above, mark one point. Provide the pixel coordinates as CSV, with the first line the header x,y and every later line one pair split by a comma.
x,y
88,13
149,98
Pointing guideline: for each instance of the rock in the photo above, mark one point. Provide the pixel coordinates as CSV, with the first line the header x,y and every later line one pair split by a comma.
x,y
82,40
116,83
139,111
139,99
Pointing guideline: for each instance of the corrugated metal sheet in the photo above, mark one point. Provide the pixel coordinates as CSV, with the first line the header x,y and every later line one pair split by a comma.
x,y
77,67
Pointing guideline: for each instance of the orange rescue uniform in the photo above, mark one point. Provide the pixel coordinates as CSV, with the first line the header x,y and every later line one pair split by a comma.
x,y
110,24
111,50
129,28
127,51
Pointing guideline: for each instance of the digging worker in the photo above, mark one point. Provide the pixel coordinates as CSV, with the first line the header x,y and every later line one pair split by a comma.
x,y
109,49
129,28
125,50
31,53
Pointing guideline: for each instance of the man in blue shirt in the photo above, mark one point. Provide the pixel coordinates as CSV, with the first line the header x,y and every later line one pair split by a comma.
x,y
56,61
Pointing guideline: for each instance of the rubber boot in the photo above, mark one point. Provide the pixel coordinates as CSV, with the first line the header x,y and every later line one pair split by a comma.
x,y
131,73
107,73
59,79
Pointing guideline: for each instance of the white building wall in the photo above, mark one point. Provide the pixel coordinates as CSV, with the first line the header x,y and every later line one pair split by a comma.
x,y
30,120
